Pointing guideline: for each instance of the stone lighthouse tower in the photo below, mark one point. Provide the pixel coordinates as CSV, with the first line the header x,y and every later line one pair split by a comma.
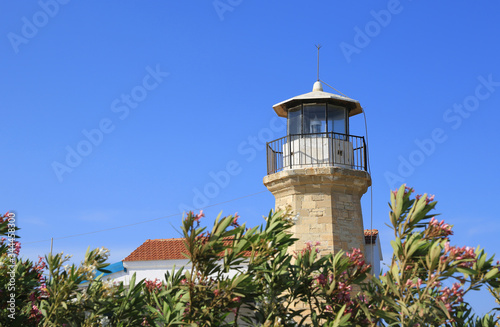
x,y
320,170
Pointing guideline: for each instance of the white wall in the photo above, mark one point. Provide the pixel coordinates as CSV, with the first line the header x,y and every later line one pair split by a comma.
x,y
150,270
373,255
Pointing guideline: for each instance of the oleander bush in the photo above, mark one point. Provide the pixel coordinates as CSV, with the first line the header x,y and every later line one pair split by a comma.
x,y
242,276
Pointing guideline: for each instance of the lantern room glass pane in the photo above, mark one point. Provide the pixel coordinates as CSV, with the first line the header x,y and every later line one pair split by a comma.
x,y
337,119
314,118
294,120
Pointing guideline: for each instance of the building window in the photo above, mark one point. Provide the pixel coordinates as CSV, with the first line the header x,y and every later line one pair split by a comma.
x,y
317,118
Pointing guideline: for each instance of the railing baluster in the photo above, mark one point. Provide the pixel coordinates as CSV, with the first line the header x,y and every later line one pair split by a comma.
x,y
353,149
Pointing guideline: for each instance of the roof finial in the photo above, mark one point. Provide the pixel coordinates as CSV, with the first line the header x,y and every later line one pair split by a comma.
x,y
318,46
317,87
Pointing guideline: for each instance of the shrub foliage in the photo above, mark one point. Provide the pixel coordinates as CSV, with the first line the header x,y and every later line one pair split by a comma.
x,y
248,277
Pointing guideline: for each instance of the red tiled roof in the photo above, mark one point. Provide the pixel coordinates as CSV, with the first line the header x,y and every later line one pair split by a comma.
x,y
371,236
164,249
161,249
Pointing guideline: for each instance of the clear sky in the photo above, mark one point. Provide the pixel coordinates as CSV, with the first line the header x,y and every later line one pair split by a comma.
x,y
117,112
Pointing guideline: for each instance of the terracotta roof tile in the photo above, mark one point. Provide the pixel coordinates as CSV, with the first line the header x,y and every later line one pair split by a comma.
x,y
371,236
164,249
160,249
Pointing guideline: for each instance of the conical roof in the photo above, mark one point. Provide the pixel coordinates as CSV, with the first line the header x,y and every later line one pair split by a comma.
x,y
318,94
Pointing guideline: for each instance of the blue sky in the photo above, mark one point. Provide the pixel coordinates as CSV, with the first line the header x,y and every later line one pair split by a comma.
x,y
115,113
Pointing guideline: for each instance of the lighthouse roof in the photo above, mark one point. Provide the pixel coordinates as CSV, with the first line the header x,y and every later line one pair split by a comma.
x,y
318,94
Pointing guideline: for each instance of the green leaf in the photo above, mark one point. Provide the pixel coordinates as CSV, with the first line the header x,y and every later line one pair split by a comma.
x,y
398,211
481,259
397,246
466,271
491,273
443,308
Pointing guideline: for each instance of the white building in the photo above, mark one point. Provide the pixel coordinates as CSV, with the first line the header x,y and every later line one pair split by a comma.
x,y
154,257
373,250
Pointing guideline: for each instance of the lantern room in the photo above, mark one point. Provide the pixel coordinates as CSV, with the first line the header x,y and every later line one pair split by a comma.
x,y
317,133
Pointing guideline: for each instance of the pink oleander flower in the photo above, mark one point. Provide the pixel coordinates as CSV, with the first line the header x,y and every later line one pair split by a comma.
x,y
363,298
41,266
34,308
438,229
407,189
199,216
237,299
413,284
35,313
428,199
4,217
17,247
309,248
357,258
145,322
153,285
234,223
452,253
216,292
435,283
321,279
451,296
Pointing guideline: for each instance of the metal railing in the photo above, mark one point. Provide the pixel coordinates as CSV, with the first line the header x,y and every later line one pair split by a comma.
x,y
316,150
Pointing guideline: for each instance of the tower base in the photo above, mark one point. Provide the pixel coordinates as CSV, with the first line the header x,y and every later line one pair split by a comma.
x,y
326,202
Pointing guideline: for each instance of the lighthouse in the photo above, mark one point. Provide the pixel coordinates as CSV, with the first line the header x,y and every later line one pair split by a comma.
x,y
320,170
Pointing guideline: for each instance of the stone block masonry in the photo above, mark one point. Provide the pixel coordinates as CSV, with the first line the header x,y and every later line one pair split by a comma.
x,y
326,202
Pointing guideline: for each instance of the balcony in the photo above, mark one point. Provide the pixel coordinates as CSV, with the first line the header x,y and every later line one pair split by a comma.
x,y
316,150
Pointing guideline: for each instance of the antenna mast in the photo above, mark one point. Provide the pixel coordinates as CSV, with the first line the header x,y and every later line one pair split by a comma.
x,y
318,46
